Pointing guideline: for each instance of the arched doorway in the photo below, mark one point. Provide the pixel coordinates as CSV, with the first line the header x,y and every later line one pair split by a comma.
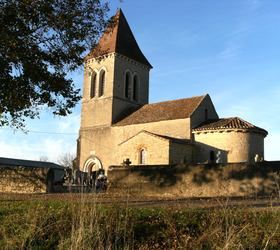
x,y
92,167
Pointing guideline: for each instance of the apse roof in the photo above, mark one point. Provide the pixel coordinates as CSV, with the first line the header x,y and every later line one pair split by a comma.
x,y
162,111
119,38
227,123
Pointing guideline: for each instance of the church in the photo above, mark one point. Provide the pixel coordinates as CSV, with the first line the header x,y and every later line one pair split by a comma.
x,y
118,124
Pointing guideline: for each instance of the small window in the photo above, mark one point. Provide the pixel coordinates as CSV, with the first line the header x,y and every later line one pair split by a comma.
x,y
102,83
212,156
127,91
93,85
206,114
135,88
142,156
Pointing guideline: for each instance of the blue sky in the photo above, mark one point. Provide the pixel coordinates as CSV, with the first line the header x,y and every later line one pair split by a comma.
x,y
228,49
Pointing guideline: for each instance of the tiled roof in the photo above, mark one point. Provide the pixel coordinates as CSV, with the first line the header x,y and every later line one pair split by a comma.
x,y
164,137
10,162
119,38
163,111
226,124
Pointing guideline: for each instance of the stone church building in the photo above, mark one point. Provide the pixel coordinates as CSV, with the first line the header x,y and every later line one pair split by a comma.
x,y
118,123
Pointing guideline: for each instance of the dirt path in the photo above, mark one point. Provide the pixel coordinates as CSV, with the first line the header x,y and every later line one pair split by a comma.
x,y
155,202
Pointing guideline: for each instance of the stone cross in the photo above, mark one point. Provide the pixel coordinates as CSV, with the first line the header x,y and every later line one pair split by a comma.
x,y
126,162
121,3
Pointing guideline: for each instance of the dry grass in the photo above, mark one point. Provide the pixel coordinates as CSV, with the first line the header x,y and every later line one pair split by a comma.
x,y
40,224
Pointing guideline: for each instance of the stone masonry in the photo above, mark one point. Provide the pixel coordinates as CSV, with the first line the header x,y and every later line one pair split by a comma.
x,y
26,180
204,180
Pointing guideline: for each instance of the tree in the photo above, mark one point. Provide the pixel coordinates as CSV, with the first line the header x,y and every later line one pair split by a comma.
x,y
44,158
40,42
66,159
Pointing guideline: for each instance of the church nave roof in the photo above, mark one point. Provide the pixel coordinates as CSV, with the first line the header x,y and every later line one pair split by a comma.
x,y
163,111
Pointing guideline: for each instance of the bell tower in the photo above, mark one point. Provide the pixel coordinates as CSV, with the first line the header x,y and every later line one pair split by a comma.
x,y
116,77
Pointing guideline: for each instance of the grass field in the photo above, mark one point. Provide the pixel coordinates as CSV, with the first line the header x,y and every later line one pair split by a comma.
x,y
54,224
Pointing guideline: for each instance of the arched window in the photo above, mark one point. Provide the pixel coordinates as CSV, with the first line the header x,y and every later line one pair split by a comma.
x,y
127,90
135,88
92,85
206,114
142,156
212,156
102,83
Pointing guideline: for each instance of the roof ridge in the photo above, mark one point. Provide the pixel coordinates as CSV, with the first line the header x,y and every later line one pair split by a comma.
x,y
175,100
194,109
146,132
163,111
117,18
161,137
232,119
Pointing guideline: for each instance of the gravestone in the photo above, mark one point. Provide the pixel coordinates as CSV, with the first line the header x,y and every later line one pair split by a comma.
x,y
219,157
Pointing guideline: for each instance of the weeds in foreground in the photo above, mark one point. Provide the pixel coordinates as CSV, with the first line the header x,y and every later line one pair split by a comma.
x,y
86,225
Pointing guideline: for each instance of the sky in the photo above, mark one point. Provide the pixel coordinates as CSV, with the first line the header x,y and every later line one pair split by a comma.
x,y
227,49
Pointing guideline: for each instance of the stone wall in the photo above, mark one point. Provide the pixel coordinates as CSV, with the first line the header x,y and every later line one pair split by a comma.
x,y
180,152
236,179
179,128
156,148
121,67
199,115
98,142
98,113
26,180
235,146
94,111
107,109
103,142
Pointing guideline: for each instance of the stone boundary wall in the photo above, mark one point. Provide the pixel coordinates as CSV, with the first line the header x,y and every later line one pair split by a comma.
x,y
205,180
26,180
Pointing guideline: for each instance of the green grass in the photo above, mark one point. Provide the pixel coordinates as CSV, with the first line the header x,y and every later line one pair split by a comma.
x,y
39,224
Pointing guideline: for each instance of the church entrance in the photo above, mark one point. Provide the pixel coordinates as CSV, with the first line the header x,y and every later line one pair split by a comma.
x,y
93,168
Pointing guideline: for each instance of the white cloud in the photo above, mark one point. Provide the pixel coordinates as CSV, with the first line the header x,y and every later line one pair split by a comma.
x,y
244,27
48,136
231,50
38,146
54,148
22,150
70,123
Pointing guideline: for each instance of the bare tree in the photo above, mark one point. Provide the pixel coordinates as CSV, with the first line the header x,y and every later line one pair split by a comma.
x,y
66,159
44,158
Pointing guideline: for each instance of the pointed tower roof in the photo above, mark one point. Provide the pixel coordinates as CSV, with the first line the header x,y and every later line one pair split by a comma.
x,y
119,38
